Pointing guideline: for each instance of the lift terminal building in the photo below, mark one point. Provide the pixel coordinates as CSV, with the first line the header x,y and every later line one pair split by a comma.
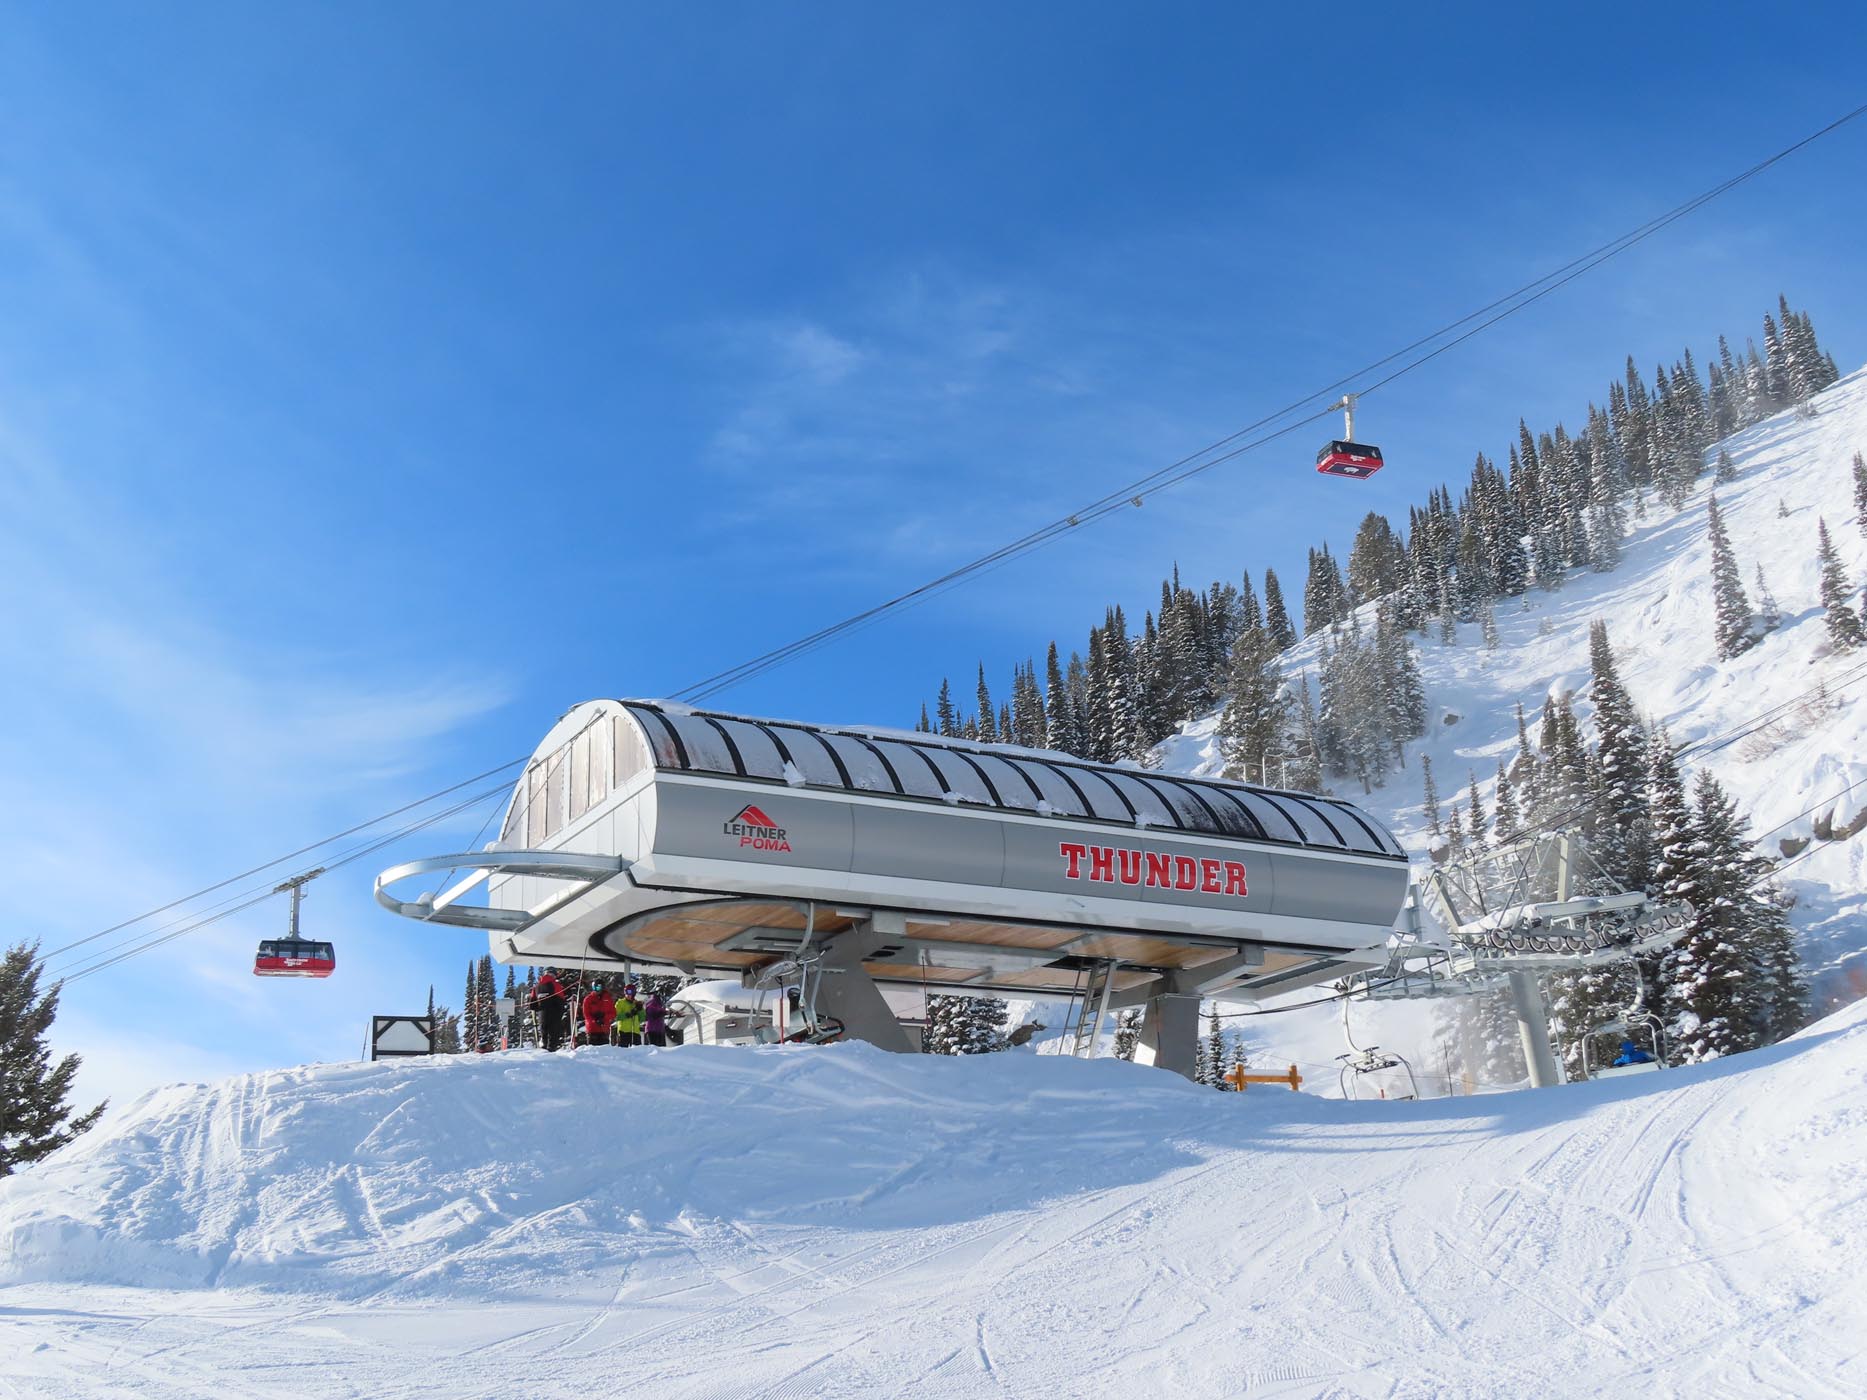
x,y
647,834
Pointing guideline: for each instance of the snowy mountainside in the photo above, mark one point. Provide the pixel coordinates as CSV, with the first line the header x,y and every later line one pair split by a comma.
x,y
787,1221
1808,764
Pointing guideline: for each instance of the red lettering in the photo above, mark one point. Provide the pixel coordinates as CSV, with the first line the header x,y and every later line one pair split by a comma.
x,y
1160,871
1235,878
1209,877
1073,852
1185,873
1130,867
1101,862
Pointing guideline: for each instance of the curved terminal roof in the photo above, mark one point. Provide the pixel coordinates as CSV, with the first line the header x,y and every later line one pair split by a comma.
x,y
569,776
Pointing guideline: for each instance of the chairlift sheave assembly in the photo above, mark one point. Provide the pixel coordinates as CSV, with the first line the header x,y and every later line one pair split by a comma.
x,y
295,955
1344,456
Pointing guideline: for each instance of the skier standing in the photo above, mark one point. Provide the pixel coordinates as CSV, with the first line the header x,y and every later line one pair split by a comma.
x,y
599,1013
628,1017
655,1019
553,1009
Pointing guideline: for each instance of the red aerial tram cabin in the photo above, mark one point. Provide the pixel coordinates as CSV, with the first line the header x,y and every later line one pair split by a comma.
x,y
294,957
1359,460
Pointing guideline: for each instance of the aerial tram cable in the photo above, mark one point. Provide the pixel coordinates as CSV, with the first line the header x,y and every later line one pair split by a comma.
x,y
1192,465
1133,494
280,860
121,952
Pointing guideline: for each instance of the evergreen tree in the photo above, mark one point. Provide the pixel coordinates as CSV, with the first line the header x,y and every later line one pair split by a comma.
x,y
1060,732
1276,616
486,991
1769,614
1727,469
510,1029
1251,727
1619,820
1431,790
1304,773
943,708
1717,999
1844,624
1493,1047
1248,614
36,1118
1127,1034
1505,821
446,1029
1215,1050
922,725
1477,813
1487,625
470,1009
1860,492
988,727
1732,620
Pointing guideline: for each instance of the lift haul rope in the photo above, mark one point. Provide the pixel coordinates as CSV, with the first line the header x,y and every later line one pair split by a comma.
x,y
1223,450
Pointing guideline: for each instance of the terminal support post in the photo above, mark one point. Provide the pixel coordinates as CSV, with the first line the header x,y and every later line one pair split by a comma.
x,y
1170,1033
1533,1028
846,991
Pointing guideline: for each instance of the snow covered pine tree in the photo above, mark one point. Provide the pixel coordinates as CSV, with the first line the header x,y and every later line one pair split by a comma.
x,y
35,1119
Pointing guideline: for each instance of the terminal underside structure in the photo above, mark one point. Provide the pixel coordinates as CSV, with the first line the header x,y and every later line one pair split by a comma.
x,y
650,835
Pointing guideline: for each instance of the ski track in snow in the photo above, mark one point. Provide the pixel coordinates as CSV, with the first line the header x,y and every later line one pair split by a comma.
x,y
854,1224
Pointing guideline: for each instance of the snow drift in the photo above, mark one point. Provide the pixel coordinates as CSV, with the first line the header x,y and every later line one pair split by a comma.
x,y
787,1221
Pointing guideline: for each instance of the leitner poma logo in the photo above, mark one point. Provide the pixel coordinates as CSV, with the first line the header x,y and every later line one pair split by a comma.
x,y
756,831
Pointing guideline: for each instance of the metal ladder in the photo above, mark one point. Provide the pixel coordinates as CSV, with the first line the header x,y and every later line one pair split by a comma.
x,y
1095,1006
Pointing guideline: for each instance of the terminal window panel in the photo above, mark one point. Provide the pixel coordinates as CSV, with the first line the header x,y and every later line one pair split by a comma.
x,y
810,755
580,775
866,769
757,752
1063,799
631,750
1146,802
1316,832
911,766
705,745
1104,800
1014,788
962,779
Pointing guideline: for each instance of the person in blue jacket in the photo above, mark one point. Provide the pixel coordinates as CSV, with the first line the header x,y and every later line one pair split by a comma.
x,y
1632,1054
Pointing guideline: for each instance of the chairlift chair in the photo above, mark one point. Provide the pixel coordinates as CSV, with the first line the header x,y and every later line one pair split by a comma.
x,y
1625,1026
294,955
1362,1064
1344,456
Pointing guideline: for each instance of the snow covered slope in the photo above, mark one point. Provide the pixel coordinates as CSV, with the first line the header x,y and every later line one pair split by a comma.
x,y
712,1221
1810,762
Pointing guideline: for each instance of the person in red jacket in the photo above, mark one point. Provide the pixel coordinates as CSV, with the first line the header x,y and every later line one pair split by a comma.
x,y
599,1014
553,1009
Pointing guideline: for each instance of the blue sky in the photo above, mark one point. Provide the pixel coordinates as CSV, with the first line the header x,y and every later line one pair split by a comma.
x,y
377,382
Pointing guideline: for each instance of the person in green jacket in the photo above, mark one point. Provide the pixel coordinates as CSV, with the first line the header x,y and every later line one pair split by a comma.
x,y
628,1017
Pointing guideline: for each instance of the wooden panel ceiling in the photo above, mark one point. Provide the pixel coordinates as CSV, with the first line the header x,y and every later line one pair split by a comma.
x,y
694,933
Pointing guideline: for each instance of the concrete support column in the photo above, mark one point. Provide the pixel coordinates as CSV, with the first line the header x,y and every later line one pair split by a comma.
x,y
1533,1028
1170,1033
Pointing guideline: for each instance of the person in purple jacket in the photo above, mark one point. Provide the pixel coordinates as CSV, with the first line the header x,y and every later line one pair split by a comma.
x,y
655,1020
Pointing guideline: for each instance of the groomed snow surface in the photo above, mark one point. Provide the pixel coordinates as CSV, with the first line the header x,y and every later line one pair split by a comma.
x,y
786,1221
